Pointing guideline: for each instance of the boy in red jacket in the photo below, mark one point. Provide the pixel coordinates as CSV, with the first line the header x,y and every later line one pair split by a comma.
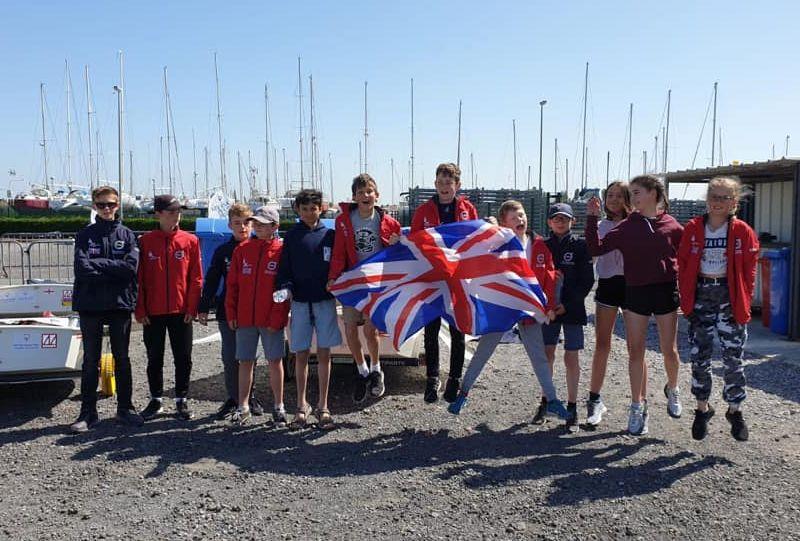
x,y
362,230
253,314
170,281
443,208
716,274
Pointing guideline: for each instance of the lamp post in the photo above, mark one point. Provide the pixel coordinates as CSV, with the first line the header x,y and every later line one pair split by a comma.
x,y
121,158
541,132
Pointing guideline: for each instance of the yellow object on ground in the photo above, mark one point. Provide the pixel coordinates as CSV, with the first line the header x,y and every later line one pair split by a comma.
x,y
108,385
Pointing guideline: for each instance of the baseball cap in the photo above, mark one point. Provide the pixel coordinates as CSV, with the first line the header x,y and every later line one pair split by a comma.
x,y
166,202
560,208
265,215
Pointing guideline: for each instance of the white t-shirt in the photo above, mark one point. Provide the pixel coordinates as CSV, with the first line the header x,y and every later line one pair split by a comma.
x,y
714,261
610,264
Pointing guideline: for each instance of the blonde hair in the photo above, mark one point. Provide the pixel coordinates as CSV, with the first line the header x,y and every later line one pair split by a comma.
x,y
239,210
731,183
627,207
507,207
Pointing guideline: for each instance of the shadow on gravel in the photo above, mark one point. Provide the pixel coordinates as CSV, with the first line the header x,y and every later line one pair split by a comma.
x,y
593,471
773,376
24,402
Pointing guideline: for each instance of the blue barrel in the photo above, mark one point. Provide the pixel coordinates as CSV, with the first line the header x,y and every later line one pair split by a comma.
x,y
779,290
212,232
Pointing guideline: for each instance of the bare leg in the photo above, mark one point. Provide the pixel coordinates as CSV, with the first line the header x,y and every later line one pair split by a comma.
x,y
636,333
353,343
276,380
245,383
604,321
667,339
324,375
572,364
550,353
373,344
301,377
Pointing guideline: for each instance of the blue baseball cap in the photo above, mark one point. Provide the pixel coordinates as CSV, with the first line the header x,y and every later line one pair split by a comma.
x,y
560,208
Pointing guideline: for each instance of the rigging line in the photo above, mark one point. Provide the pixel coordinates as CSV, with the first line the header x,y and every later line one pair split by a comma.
x,y
702,129
83,160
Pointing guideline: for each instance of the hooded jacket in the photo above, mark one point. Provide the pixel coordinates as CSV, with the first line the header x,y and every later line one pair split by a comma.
x,y
106,259
571,257
427,214
216,275
170,274
344,246
742,254
305,262
649,247
251,283
541,262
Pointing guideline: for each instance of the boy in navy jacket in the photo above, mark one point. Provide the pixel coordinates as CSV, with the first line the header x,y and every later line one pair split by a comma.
x,y
104,293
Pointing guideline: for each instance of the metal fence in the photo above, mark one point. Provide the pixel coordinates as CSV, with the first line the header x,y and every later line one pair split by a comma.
x,y
31,261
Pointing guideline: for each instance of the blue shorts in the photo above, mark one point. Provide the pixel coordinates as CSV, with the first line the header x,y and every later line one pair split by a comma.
x,y
247,343
573,335
307,318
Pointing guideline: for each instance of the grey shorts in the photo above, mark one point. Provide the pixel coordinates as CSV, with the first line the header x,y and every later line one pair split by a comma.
x,y
247,343
351,316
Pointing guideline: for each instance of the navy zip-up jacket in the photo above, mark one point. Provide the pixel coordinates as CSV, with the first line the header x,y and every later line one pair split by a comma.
x,y
217,273
106,260
571,257
305,262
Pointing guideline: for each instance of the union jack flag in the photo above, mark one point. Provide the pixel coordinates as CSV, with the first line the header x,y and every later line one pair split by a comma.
x,y
473,274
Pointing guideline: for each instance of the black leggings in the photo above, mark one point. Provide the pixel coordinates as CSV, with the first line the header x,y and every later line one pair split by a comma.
x,y
432,349
180,341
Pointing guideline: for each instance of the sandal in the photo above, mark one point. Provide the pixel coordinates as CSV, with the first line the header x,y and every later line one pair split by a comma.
x,y
301,417
324,419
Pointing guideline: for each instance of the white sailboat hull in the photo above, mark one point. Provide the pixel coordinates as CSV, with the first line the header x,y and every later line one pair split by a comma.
x,y
39,349
35,299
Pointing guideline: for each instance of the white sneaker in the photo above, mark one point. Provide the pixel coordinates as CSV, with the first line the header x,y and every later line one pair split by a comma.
x,y
637,424
594,411
674,408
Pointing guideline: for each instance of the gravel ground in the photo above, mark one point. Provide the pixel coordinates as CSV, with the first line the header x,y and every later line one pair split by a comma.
x,y
399,468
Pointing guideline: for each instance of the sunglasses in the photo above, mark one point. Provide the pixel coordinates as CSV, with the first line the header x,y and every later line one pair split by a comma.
x,y
103,205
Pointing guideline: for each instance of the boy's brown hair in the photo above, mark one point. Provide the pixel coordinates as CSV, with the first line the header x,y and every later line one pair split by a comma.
x,y
104,190
507,207
239,210
362,181
449,170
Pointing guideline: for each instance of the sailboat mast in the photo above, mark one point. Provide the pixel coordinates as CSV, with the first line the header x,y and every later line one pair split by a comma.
x,y
330,175
300,98
315,173
412,133
366,133
714,126
608,166
266,135
121,130
285,171
630,137
583,145
275,169
44,139
169,139
666,133
472,168
458,153
514,128
219,132
555,166
69,124
194,165
391,165
205,155
92,177
240,195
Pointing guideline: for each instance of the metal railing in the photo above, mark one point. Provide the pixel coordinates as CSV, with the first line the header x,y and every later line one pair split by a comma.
x,y
41,260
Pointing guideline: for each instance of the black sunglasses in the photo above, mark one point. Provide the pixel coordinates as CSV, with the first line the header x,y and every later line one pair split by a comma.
x,y
110,205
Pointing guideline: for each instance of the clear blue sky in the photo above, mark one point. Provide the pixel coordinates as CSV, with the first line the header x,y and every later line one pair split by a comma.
x,y
500,60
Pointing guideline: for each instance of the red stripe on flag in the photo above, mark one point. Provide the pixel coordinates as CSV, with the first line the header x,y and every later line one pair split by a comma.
x,y
366,280
407,309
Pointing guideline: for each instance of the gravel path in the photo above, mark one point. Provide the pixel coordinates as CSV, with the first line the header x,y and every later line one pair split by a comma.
x,y
402,469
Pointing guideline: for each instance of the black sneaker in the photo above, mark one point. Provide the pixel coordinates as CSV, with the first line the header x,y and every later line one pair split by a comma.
x,y
279,419
739,429
572,420
153,408
226,410
85,421
541,413
377,385
700,424
129,417
451,389
360,386
255,406
432,390
182,410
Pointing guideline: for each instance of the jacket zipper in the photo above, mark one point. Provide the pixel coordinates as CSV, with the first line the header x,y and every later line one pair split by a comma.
x,y
255,285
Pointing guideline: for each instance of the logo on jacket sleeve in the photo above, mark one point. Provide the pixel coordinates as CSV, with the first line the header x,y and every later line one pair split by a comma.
x,y
464,215
540,260
119,244
179,254
272,267
94,248
247,268
568,257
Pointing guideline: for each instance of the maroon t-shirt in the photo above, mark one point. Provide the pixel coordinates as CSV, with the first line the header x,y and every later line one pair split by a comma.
x,y
649,247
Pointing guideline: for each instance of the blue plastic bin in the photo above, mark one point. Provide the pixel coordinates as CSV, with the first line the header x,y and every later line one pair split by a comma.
x,y
212,232
779,290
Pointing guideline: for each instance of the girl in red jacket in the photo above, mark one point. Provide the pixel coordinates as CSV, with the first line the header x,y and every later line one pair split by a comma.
x,y
252,313
717,272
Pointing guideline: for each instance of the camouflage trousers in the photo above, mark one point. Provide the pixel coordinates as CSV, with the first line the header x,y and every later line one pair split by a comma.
x,y
712,312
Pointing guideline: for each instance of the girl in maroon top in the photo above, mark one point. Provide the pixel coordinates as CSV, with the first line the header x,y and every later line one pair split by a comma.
x,y
648,240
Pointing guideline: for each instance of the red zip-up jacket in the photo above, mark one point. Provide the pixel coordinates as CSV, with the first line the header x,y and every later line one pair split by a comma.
x,y
170,274
427,214
344,255
251,283
742,251
542,264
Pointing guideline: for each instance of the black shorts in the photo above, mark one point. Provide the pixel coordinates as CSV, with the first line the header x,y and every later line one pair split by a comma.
x,y
652,299
610,292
